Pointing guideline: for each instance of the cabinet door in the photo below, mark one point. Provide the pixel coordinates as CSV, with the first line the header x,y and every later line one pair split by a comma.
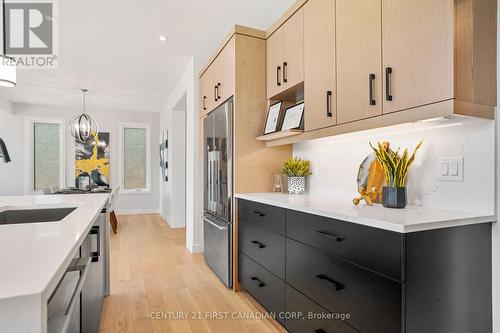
x,y
319,64
207,92
417,49
224,71
293,50
274,63
359,79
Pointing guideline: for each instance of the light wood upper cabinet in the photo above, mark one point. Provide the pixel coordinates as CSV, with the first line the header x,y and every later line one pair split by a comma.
x,y
207,92
293,49
285,55
224,73
217,82
275,63
319,64
417,46
359,59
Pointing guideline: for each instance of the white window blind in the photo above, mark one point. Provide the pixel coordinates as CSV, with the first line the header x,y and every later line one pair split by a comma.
x,y
135,158
46,155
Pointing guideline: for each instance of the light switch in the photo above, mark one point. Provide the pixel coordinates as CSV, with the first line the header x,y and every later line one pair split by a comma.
x,y
453,168
444,169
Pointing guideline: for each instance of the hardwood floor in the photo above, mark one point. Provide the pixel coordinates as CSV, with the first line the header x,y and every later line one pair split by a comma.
x,y
153,272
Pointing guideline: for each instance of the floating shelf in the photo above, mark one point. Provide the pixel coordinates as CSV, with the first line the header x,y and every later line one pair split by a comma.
x,y
280,135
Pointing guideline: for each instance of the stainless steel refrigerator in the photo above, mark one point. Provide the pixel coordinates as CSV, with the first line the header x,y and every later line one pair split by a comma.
x,y
218,194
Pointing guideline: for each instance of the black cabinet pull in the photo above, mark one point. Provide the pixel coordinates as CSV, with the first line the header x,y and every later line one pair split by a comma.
x,y
95,255
329,104
278,74
218,91
285,72
259,213
319,331
261,246
259,282
371,81
204,102
388,84
215,93
338,285
328,235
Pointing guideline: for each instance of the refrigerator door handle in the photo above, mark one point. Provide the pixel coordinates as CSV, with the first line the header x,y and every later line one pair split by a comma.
x,y
214,224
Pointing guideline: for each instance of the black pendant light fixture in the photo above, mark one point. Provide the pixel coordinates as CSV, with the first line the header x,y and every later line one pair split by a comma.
x,y
8,65
83,128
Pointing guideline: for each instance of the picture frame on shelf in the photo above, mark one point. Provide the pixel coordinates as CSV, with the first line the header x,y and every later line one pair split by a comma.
x,y
293,117
273,118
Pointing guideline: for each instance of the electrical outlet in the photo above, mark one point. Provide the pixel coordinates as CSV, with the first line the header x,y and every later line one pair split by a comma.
x,y
451,169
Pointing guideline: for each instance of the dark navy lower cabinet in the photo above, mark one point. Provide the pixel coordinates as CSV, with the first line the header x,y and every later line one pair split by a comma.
x,y
340,277
304,315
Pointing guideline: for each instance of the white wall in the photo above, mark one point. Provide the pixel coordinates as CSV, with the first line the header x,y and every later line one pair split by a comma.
x,y
12,130
335,162
187,87
496,227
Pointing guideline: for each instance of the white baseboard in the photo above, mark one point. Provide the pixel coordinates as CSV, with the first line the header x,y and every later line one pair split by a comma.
x,y
164,217
196,248
137,211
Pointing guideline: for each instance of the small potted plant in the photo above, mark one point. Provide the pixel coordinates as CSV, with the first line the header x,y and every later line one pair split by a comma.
x,y
297,169
395,171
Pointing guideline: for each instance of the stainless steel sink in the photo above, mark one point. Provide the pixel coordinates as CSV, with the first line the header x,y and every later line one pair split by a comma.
x,y
19,216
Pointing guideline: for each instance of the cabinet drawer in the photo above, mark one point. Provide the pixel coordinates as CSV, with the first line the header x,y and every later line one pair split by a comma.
x,y
373,301
297,303
266,216
263,246
376,249
266,288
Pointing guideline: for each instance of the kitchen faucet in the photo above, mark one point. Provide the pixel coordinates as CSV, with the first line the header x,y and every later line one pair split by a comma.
x,y
4,154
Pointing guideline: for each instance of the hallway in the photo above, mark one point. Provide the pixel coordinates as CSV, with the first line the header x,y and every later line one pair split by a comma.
x,y
152,271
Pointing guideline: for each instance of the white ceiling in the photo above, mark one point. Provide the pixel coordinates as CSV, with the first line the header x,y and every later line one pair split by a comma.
x,y
112,48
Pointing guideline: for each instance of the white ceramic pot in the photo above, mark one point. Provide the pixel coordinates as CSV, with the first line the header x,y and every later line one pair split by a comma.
x,y
296,185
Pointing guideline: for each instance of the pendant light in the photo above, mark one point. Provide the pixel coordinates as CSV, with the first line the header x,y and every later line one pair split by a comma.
x,y
7,64
83,128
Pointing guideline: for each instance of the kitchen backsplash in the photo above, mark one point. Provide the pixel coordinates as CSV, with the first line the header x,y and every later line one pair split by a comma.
x,y
335,161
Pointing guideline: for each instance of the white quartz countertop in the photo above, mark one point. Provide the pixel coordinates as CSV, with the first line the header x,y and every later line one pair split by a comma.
x,y
409,219
34,256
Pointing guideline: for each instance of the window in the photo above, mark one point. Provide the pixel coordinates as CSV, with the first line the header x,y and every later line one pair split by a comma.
x,y
135,161
45,167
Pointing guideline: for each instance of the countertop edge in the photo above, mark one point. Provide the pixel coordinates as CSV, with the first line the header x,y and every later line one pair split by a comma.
x,y
374,223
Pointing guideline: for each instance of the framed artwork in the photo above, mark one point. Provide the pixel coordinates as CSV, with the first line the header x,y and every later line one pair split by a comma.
x,y
164,156
293,117
92,159
273,118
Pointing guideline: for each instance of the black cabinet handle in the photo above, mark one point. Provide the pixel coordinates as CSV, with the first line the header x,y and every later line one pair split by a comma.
x,y
218,91
328,235
338,286
388,84
258,281
329,104
285,72
319,331
259,213
371,81
95,255
261,246
204,102
215,93
278,74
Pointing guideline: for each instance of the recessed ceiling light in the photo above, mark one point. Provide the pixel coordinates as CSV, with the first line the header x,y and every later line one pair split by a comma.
x,y
162,38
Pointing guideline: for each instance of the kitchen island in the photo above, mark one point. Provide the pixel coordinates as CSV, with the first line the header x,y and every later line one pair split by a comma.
x,y
34,257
